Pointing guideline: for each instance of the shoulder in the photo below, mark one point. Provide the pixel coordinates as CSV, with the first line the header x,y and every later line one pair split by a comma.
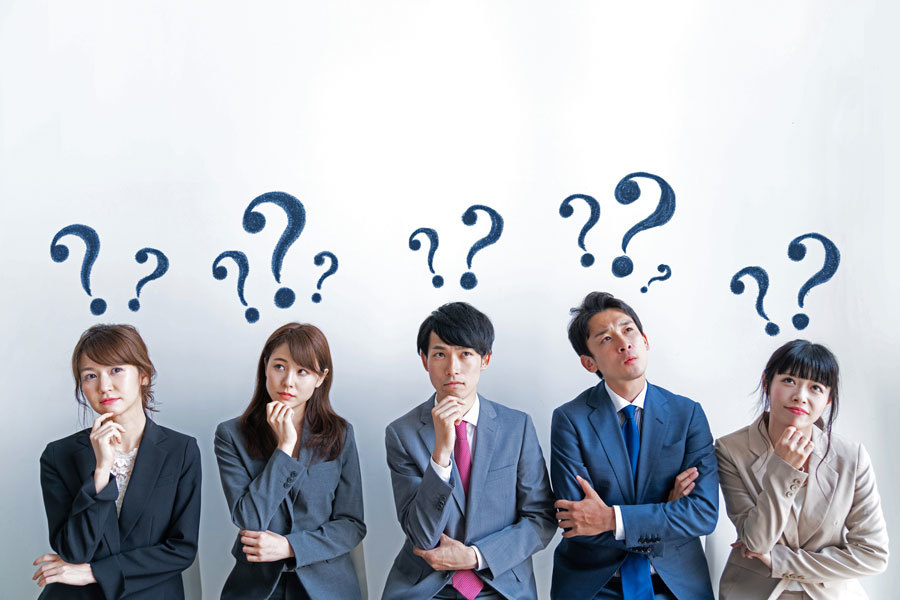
x,y
674,400
65,446
847,451
734,440
174,439
578,404
229,427
410,419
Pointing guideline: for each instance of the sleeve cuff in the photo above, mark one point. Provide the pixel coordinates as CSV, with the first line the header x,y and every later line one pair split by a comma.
x,y
442,472
620,525
481,564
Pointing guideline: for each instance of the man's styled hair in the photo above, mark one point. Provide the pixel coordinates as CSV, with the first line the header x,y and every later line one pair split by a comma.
x,y
458,324
592,304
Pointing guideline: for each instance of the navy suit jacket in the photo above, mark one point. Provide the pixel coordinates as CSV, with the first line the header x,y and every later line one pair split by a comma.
x,y
508,515
317,505
141,553
586,440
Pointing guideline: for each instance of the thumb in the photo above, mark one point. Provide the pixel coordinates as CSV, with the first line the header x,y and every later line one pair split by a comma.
x,y
586,487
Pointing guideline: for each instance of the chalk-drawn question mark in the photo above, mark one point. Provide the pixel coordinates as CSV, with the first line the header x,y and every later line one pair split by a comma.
x,y
762,280
414,244
468,279
627,191
162,265
667,272
320,260
254,221
60,252
220,272
566,210
796,252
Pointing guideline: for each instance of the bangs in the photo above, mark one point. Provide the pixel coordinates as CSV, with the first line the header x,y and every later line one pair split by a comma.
x,y
302,348
809,361
107,348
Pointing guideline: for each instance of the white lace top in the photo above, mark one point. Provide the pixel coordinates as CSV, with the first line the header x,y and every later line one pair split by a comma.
x,y
123,464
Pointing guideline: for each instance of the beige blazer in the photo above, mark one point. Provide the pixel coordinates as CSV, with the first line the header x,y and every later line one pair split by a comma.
x,y
840,535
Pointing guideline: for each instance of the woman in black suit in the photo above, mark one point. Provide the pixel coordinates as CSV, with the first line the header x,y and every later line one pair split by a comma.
x,y
123,497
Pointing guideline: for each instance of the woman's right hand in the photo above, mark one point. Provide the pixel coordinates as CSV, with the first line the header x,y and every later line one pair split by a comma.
x,y
280,418
106,437
794,448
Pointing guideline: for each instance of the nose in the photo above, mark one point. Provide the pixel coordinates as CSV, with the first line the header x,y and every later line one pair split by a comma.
x,y
454,364
105,381
289,378
624,343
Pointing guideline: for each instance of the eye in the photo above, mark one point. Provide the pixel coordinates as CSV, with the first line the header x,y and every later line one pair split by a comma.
x,y
438,355
278,367
787,379
117,370
817,387
302,372
88,376
466,353
605,339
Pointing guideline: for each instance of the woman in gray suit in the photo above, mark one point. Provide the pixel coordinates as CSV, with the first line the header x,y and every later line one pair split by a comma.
x,y
803,499
291,478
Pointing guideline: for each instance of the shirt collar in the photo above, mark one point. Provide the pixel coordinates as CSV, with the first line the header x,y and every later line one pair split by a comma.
x,y
471,417
619,402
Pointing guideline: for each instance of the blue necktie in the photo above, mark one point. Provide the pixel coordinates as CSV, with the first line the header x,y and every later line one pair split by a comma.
x,y
635,571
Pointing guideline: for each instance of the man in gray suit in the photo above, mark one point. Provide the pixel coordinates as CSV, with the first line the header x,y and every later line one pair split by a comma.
x,y
470,483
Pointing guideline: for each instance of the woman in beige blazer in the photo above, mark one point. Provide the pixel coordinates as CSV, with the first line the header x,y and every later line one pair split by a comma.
x,y
806,508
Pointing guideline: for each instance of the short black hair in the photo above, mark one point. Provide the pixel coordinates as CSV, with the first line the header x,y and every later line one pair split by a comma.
x,y
458,324
594,303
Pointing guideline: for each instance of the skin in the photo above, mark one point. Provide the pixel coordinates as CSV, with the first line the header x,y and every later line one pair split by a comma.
x,y
290,385
619,350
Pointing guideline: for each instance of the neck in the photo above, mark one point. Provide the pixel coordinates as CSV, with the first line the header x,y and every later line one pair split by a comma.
x,y
628,389
134,424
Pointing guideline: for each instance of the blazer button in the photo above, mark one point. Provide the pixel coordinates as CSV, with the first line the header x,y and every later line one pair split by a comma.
x,y
287,485
293,473
788,494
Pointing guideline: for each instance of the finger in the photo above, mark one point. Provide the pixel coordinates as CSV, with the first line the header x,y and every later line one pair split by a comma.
x,y
586,487
249,550
736,544
252,542
564,504
100,419
251,533
45,558
570,534
688,489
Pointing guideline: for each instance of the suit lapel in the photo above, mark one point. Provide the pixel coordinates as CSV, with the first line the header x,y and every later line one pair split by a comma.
x,y
147,464
609,435
426,433
759,445
654,426
486,434
85,459
820,487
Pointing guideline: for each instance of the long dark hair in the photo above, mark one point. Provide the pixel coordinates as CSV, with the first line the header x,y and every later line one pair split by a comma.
x,y
308,347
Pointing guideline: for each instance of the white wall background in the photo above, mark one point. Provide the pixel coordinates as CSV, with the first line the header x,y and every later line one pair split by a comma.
x,y
156,123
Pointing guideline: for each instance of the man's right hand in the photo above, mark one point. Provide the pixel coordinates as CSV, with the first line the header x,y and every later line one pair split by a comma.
x,y
684,484
445,415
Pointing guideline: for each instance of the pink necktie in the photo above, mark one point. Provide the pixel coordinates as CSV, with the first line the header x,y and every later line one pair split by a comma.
x,y
465,582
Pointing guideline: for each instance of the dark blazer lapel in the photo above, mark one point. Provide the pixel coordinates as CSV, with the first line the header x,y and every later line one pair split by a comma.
x,y
609,435
654,426
820,487
147,464
486,434
426,433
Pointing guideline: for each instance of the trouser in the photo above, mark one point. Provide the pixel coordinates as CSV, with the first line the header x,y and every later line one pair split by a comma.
x,y
613,589
289,588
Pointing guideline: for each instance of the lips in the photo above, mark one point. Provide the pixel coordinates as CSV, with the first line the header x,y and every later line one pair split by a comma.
x,y
630,360
797,411
106,401
285,395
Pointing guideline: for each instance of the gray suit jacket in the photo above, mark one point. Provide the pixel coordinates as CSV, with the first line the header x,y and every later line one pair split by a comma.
x,y
840,535
317,505
508,515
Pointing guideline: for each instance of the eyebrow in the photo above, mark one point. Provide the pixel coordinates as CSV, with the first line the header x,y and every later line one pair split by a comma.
x,y
621,323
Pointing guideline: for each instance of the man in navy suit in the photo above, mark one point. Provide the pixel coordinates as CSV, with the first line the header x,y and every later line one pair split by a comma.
x,y
469,478
634,471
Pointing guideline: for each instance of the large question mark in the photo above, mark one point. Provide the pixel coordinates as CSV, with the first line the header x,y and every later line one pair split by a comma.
x,y
762,280
254,221
627,191
468,279
796,252
320,260
414,244
667,272
220,272
566,211
162,265
59,253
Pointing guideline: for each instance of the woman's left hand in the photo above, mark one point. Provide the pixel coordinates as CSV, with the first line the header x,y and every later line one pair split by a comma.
x,y
765,559
56,570
265,546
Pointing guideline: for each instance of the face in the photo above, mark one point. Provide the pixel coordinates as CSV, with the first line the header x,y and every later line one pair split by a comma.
x,y
797,402
111,388
289,382
618,349
453,370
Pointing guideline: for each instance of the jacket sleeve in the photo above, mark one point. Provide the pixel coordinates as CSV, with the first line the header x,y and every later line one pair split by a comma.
x,y
536,521
689,516
76,523
252,501
420,498
865,551
345,529
141,568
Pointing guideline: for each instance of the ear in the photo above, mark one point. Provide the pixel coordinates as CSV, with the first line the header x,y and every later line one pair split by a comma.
x,y
589,363
322,377
485,360
646,341
145,379
424,360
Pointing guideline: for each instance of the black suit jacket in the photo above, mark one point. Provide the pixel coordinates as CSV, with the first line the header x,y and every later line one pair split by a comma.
x,y
141,553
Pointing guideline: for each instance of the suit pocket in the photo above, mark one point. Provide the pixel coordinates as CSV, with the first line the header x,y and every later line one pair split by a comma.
x,y
500,473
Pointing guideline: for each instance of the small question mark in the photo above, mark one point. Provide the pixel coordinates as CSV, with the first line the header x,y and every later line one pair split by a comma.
x,y
414,244
162,265
627,191
254,221
796,252
762,280
320,260
60,252
566,211
667,272
468,279
220,272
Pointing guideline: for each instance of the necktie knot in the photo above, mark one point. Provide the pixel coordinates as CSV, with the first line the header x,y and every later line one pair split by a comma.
x,y
461,428
629,412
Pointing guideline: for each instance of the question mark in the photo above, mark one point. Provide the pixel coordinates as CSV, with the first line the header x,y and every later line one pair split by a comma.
x,y
59,253
627,191
762,279
414,244
220,272
254,222
320,260
162,265
662,269
566,211
468,279
796,252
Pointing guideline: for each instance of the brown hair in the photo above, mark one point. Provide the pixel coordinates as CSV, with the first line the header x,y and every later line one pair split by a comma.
x,y
308,347
114,345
